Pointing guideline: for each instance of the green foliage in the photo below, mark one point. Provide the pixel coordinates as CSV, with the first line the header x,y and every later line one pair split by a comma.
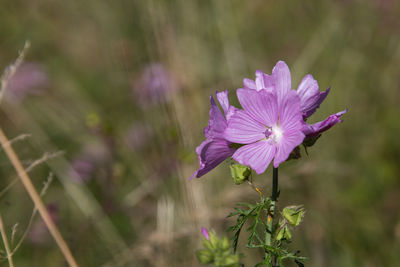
x,y
284,234
253,212
256,215
239,173
217,252
293,214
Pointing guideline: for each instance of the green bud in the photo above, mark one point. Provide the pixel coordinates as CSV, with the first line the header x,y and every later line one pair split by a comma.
x,y
213,239
239,173
205,256
231,261
207,244
284,233
225,243
294,214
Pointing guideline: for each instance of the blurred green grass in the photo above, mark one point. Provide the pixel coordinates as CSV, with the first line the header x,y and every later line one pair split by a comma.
x,y
137,207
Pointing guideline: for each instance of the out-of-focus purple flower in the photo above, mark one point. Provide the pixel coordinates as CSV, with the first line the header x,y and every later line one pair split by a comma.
x,y
83,168
316,129
269,127
154,86
39,234
280,82
215,149
29,79
205,233
84,165
137,136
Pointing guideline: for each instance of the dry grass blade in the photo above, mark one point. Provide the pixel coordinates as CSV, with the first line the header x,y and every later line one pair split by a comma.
x,y
35,163
44,190
37,200
5,241
9,72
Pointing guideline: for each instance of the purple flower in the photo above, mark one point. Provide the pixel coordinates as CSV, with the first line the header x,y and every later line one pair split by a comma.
x,y
154,85
270,126
280,83
215,149
29,79
92,157
205,233
316,129
137,136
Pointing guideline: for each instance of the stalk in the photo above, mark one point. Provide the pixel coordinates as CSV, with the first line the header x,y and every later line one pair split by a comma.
x,y
270,218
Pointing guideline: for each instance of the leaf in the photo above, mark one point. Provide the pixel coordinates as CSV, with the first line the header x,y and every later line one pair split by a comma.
x,y
284,234
294,214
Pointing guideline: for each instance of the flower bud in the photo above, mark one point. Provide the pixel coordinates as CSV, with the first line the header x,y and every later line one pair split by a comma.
x,y
239,173
294,214
205,256
284,233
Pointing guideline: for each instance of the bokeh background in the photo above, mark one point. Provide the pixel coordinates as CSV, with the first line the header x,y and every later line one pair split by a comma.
x,y
113,98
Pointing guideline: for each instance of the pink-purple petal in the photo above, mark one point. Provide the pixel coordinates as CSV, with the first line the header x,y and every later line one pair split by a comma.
x,y
204,232
243,129
211,154
310,96
223,100
256,155
285,146
262,106
315,129
249,83
282,79
264,81
311,107
217,122
289,112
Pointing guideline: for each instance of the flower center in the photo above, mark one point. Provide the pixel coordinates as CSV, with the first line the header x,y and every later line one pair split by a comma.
x,y
274,133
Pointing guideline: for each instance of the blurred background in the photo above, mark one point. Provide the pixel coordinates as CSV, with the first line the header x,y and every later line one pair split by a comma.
x,y
112,99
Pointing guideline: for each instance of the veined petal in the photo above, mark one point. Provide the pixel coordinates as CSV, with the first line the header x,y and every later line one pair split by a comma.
x,y
217,123
243,129
315,129
223,100
257,155
211,154
282,79
308,88
310,96
264,81
231,111
289,112
248,83
309,108
285,146
262,106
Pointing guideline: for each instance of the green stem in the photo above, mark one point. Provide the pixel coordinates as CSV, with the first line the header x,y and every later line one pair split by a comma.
x,y
270,219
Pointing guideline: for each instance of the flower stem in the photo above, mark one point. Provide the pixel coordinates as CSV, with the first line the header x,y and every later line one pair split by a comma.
x,y
270,218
